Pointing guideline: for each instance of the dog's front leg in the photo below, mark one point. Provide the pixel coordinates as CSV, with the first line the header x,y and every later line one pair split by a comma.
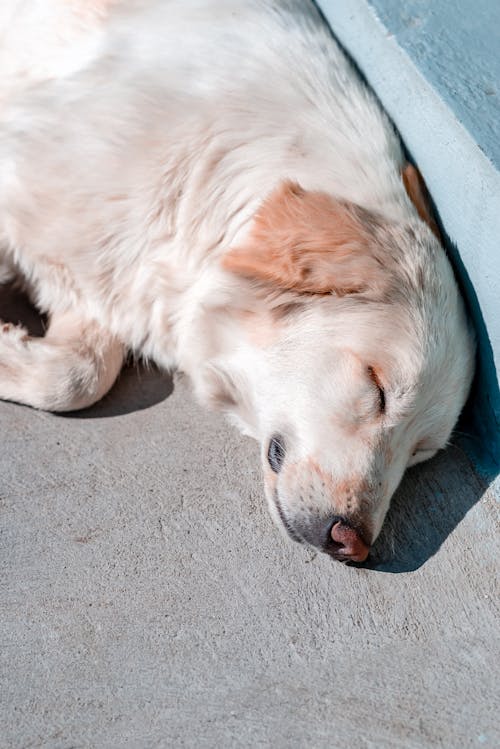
x,y
71,367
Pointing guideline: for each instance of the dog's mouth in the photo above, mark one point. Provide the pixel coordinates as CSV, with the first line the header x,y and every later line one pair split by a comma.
x,y
336,537
284,520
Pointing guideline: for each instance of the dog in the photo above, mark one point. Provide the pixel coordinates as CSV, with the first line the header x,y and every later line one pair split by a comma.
x,y
210,185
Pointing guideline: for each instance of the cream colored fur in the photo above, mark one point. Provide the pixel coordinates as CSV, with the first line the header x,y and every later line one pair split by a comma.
x,y
139,139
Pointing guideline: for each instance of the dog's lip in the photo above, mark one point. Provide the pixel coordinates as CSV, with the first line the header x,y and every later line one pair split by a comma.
x,y
291,532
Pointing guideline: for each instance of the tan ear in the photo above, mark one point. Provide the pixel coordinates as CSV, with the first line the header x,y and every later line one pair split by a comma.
x,y
419,196
311,243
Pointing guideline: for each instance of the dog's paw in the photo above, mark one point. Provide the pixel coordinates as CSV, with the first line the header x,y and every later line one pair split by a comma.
x,y
12,336
13,346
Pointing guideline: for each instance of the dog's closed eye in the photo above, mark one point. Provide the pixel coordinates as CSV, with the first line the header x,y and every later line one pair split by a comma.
x,y
381,392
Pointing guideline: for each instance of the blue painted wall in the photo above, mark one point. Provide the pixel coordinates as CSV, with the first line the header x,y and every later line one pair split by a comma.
x,y
435,65
456,45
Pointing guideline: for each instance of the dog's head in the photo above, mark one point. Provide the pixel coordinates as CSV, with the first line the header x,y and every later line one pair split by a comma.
x,y
350,359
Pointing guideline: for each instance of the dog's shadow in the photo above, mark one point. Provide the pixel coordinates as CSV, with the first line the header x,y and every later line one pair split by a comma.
x,y
431,501
138,386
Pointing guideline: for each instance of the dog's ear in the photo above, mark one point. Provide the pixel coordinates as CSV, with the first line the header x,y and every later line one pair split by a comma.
x,y
310,242
419,196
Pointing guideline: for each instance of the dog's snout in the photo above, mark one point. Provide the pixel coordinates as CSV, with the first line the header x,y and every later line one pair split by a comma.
x,y
337,537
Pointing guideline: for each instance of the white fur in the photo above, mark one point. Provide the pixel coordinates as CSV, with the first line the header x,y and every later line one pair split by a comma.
x,y
137,140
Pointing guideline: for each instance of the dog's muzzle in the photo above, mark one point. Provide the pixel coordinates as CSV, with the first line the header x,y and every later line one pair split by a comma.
x,y
335,536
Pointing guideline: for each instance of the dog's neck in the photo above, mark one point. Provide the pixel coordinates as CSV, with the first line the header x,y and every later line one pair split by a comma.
x,y
225,325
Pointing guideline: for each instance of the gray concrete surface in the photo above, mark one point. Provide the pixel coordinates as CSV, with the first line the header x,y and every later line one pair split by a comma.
x,y
148,601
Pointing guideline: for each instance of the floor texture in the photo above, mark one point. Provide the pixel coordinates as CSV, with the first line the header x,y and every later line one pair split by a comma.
x,y
147,600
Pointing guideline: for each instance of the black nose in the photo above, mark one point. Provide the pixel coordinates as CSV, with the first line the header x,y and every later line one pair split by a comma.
x,y
335,536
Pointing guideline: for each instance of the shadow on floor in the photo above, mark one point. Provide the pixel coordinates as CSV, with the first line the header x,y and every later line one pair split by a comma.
x,y
138,387
432,500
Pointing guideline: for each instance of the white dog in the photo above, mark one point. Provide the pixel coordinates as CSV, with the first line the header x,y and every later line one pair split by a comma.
x,y
208,184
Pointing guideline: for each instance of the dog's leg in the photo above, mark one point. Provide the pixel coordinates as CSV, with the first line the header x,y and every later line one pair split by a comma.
x,y
70,368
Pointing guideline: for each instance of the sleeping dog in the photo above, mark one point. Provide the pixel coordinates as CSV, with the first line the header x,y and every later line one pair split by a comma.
x,y
209,184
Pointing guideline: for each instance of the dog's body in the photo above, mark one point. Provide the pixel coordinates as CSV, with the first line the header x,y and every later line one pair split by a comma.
x,y
209,184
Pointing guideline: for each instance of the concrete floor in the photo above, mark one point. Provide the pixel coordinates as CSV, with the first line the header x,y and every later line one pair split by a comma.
x,y
148,601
